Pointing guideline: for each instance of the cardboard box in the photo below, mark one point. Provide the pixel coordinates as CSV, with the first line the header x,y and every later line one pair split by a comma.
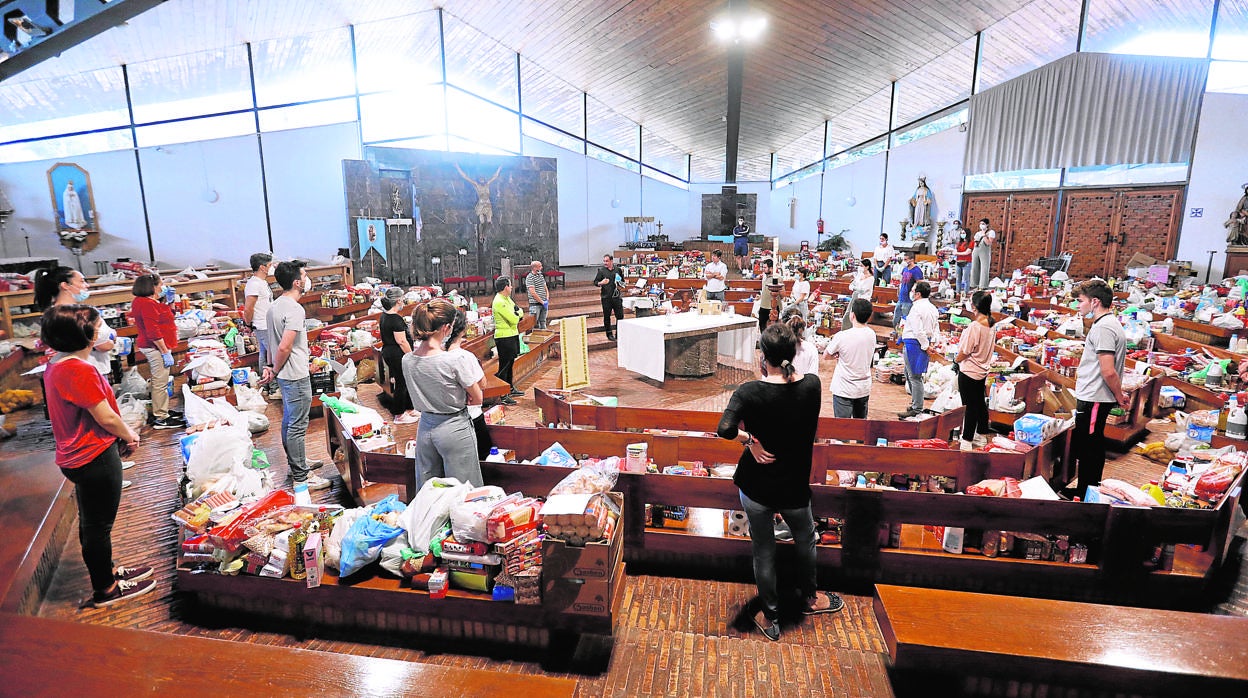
x,y
1140,260
313,560
593,561
578,596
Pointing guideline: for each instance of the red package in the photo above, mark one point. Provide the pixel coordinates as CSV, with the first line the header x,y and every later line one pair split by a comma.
x,y
512,517
1012,489
1213,483
921,443
232,535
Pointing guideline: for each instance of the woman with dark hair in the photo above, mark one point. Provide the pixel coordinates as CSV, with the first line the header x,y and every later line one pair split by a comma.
x,y
454,343
395,343
87,426
974,360
65,286
775,418
441,384
862,285
157,336
807,358
800,295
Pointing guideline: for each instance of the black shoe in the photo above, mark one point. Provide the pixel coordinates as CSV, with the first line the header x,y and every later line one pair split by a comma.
x,y
123,591
508,400
516,393
169,423
769,627
835,604
175,413
908,413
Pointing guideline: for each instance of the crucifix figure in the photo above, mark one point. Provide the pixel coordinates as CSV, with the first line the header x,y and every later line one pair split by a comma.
x,y
483,210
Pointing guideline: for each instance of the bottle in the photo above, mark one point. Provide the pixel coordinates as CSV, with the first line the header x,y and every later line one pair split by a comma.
x,y
169,386
1234,343
297,539
1236,420
495,456
1213,378
302,496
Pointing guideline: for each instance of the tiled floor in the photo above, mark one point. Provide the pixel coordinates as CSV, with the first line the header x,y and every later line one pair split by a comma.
x,y
677,636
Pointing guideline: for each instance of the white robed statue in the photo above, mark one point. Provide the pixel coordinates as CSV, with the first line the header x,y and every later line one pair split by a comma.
x,y
72,205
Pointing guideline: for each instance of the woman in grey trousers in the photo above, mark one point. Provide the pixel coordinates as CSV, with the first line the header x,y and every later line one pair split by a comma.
x,y
981,258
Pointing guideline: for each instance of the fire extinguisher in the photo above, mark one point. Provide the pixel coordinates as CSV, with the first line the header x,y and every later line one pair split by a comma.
x,y
819,226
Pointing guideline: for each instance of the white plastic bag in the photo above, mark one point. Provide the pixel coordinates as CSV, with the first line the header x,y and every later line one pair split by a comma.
x,y
250,399
431,509
346,372
469,519
948,399
221,451
132,411
257,422
134,384
200,411
333,545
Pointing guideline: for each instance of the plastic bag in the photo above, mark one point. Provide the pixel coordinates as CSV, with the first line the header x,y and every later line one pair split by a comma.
x,y
556,455
257,422
431,509
367,536
948,399
216,452
200,411
346,373
132,411
133,383
250,399
333,545
470,517
592,478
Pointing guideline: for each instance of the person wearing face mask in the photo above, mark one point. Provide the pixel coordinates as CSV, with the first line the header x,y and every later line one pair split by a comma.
x,y
919,330
65,286
288,363
981,257
157,336
1098,382
257,297
962,256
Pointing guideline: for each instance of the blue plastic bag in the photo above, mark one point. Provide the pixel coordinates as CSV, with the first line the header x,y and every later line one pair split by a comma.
x,y
556,455
367,536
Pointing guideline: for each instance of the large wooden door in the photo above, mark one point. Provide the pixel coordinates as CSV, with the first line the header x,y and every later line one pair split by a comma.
x,y
1024,222
1103,228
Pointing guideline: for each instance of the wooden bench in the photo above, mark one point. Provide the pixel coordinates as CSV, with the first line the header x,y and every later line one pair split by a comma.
x,y
1061,643
45,657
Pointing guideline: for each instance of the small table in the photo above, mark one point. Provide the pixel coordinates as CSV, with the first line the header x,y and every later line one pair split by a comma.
x,y
685,345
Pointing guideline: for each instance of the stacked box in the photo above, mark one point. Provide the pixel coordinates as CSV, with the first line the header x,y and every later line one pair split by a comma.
x,y
580,580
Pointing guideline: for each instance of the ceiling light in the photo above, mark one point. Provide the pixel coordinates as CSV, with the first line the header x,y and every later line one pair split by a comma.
x,y
736,28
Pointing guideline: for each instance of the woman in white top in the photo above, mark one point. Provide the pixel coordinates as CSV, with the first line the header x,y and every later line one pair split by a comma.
x,y
807,358
66,286
801,292
981,258
861,286
441,384
883,261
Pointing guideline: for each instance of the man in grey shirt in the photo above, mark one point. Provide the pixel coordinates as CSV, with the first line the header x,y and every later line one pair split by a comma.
x,y
1098,381
288,341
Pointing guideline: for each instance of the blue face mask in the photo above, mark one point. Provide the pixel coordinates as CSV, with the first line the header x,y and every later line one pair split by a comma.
x,y
82,295
167,292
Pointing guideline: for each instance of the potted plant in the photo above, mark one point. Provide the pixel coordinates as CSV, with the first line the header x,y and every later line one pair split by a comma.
x,y
836,243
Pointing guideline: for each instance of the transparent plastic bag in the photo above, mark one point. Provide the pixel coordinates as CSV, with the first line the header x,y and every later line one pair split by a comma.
x,y
592,478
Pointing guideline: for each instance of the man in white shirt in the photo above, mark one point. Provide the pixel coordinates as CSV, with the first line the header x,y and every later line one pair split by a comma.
x,y
715,273
920,328
851,380
882,261
981,257
257,296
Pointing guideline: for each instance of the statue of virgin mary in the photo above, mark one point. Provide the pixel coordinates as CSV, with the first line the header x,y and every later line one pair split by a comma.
x,y
73,208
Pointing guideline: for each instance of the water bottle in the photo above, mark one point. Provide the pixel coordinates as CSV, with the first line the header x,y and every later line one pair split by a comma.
x,y
495,456
169,387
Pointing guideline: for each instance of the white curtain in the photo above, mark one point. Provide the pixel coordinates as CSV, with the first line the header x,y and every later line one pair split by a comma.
x,y
1088,109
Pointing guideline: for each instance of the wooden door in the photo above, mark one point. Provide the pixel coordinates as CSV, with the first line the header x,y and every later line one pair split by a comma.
x,y
1103,228
1024,222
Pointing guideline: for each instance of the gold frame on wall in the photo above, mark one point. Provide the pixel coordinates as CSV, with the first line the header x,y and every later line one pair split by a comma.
x,y
78,227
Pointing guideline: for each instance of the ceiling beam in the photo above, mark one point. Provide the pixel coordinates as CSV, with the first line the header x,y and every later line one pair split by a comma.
x,y
84,27
736,75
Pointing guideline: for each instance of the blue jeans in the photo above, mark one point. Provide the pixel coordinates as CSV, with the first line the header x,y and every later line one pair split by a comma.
x,y
915,381
763,539
262,344
964,277
538,311
296,404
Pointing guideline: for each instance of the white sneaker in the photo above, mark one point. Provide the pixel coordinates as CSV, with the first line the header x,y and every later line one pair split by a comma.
x,y
966,445
127,464
316,482
125,484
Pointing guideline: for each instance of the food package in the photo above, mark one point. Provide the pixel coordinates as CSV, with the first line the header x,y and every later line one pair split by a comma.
x,y
555,455
511,517
1033,429
1126,492
194,516
470,547
470,518
921,443
577,518
987,488
1214,482
231,536
593,478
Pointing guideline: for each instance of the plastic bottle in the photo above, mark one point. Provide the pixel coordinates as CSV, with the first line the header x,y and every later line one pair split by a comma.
x,y
495,456
297,539
1213,378
302,496
1236,420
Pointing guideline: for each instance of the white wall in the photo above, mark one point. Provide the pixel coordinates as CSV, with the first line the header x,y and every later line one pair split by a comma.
x,y
863,180
114,185
1218,170
939,158
307,204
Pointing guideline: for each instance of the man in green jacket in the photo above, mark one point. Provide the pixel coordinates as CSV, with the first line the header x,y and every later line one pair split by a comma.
x,y
506,334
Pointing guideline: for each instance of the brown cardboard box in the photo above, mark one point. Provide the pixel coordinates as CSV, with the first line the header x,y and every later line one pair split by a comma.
x,y
580,592
593,561
1139,259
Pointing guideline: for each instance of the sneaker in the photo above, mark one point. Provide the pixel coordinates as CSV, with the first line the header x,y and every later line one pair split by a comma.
x,y
123,591
835,604
966,445
316,482
125,484
132,574
127,464
908,413
169,423
405,418
768,627
175,413
516,393
980,441
508,400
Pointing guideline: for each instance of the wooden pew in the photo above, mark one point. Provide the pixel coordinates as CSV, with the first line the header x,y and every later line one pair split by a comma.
x,y
932,634
45,657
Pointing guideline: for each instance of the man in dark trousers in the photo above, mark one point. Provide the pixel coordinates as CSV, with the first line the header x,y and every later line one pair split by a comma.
x,y
1098,381
609,282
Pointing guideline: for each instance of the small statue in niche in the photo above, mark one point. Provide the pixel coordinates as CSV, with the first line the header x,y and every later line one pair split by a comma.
x,y
396,203
1237,224
921,205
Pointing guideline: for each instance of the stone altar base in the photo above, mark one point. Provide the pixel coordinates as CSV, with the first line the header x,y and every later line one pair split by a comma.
x,y
691,356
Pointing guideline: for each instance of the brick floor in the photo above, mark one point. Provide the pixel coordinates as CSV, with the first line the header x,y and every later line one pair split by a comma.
x,y
677,636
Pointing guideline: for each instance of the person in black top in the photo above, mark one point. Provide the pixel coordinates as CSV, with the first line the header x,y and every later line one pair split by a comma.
x,y
741,242
395,342
775,418
609,282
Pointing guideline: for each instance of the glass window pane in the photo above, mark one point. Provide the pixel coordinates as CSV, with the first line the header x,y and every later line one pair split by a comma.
x,y
550,99
801,152
1149,29
655,174
1231,40
1037,34
396,52
208,82
465,145
480,64
533,129
663,155
931,126
426,143
413,112
1227,76
608,156
936,84
756,169
196,130
811,170
66,104
1018,179
482,122
303,68
707,169
1156,173
335,111
861,122
67,147
865,151
611,130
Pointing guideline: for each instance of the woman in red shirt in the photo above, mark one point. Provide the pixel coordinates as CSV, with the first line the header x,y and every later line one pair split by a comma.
x,y
962,255
87,426
158,335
